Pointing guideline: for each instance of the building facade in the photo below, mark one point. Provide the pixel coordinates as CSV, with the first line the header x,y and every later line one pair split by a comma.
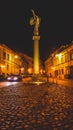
x,y
60,63
16,62
11,61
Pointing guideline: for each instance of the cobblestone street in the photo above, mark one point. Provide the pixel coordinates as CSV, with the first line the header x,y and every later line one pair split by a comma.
x,y
36,107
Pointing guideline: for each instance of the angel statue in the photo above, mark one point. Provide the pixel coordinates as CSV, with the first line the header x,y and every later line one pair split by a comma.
x,y
35,20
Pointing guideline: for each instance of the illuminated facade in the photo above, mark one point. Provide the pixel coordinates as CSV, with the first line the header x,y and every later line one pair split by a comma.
x,y
11,61
60,63
15,62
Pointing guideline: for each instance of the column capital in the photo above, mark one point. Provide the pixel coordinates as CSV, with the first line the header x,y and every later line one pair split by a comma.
x,y
36,37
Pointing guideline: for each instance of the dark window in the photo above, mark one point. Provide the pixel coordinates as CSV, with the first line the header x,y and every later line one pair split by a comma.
x,y
7,67
62,71
66,58
7,56
56,72
4,55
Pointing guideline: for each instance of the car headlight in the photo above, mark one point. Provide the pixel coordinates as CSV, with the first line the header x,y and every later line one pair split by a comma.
x,y
15,78
8,78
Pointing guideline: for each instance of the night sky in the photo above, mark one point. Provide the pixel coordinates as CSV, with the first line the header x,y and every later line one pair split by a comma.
x,y
56,26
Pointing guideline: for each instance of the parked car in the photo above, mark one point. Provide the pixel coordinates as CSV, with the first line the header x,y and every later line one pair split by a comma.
x,y
14,77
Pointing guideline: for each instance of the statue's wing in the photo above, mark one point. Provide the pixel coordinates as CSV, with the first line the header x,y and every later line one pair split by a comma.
x,y
32,21
34,15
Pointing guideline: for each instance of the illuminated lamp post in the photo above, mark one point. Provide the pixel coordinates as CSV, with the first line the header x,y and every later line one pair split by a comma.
x,y
22,70
17,65
15,62
29,70
59,56
16,56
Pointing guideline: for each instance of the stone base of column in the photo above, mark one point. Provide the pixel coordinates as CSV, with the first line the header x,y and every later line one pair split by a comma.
x,y
37,79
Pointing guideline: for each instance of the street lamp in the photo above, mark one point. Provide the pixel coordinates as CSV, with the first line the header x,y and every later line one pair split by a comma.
x,y
22,69
14,63
17,64
16,56
59,57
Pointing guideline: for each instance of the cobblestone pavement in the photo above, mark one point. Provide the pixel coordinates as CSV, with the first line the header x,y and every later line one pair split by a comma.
x,y
36,107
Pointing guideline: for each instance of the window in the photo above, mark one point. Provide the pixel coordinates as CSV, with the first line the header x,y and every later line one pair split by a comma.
x,y
63,59
7,67
4,55
66,58
62,71
72,56
7,56
56,73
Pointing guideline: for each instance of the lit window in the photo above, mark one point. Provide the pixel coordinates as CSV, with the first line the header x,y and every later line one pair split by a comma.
x,y
72,56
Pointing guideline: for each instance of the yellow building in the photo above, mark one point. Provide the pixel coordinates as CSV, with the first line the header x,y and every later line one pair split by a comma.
x,y
10,61
15,62
59,64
